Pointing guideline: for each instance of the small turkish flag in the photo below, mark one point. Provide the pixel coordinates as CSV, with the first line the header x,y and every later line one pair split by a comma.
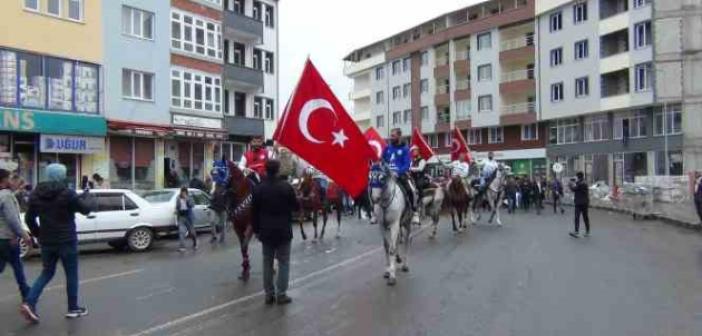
x,y
316,127
459,146
419,142
375,141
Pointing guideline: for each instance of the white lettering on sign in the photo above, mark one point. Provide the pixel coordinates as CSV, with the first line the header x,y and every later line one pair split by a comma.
x,y
182,120
71,144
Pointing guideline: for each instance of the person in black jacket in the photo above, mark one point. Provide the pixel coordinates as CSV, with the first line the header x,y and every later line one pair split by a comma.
x,y
273,204
55,205
581,202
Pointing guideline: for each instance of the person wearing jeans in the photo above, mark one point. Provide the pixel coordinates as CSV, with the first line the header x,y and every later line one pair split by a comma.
x,y
55,205
582,203
11,230
184,214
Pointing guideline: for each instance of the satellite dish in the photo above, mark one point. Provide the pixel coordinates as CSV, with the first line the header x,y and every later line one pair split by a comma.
x,y
557,168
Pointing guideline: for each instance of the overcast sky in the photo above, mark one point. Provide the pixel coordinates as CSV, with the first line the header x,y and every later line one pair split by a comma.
x,y
328,30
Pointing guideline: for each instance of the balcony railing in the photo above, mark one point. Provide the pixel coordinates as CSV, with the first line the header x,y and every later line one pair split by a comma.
x,y
519,108
513,76
443,117
463,84
243,25
517,43
442,89
248,76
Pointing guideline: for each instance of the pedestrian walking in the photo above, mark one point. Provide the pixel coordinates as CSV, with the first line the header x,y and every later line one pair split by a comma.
x,y
511,192
581,202
526,190
55,205
85,183
11,231
184,215
557,195
272,206
698,194
21,191
539,194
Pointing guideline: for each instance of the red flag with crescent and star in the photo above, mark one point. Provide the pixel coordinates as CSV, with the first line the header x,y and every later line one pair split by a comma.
x,y
375,141
418,141
459,146
317,128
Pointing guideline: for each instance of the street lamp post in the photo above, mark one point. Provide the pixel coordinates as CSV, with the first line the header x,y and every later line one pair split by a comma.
x,y
659,75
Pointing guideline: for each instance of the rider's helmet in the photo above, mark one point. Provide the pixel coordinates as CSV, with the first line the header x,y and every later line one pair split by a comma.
x,y
220,172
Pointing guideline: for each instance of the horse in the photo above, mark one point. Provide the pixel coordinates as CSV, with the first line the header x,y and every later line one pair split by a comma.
x,y
239,213
494,194
458,200
431,201
362,203
394,217
309,195
335,199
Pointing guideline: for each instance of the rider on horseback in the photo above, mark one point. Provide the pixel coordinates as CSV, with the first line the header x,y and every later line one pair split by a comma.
x,y
253,162
488,173
418,170
396,155
461,168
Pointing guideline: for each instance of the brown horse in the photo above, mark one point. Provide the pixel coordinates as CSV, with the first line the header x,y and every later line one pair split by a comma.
x,y
335,199
458,200
310,197
240,214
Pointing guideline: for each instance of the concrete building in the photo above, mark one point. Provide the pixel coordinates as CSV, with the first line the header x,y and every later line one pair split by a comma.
x,y
473,68
250,72
596,89
51,81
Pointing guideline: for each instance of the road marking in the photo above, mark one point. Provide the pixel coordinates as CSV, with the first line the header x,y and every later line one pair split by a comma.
x,y
293,283
84,282
163,290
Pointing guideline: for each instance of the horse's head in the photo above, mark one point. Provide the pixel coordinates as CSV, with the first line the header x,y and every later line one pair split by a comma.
x,y
306,185
238,182
378,180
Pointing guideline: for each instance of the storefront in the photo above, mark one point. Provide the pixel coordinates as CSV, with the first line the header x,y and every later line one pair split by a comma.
x,y
191,152
523,162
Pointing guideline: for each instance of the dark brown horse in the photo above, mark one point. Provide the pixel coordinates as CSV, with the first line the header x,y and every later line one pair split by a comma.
x,y
240,214
335,199
458,199
309,195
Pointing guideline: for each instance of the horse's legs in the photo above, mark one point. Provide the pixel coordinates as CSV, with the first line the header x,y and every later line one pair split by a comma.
x,y
300,220
314,222
393,235
244,235
497,210
324,221
338,224
453,218
434,224
405,253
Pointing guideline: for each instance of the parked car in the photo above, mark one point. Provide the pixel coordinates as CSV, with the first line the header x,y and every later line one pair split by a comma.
x,y
163,204
124,219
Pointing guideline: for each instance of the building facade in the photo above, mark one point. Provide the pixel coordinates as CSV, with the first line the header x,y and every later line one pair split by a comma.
x,y
51,85
473,68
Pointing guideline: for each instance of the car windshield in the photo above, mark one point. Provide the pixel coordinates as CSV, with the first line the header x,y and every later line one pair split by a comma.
x,y
161,196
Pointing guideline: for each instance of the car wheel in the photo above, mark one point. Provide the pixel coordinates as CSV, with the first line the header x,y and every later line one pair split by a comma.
x,y
24,249
140,239
118,245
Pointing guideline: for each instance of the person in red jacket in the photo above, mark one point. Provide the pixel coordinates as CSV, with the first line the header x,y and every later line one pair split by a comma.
x,y
253,162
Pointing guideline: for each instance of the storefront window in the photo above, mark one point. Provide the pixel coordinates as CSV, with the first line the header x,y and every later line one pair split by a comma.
x,y
144,164
23,154
86,88
198,161
8,77
635,164
538,167
596,168
32,84
675,160
68,160
121,162
60,78
184,161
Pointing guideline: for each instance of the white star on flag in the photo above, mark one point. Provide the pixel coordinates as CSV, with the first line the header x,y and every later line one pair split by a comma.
x,y
339,138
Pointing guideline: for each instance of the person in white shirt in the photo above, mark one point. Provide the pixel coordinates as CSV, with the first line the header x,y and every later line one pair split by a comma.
x,y
461,168
489,167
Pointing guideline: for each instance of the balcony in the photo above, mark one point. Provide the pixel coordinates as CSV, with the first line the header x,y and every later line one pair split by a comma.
x,y
243,77
360,94
614,43
615,63
462,63
614,23
442,69
517,81
242,126
442,97
518,48
243,27
462,90
352,68
518,114
361,116
609,8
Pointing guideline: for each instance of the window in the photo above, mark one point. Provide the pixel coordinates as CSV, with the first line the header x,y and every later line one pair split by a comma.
x,y
379,97
485,72
425,58
495,135
485,103
137,84
581,49
137,23
257,56
462,109
475,136
582,87
32,88
109,202
129,204
268,63
239,58
53,7
557,92
433,140
425,113
565,131
75,10
196,90
675,163
87,88
269,18
238,6
196,35
406,90
406,116
424,86
406,64
556,22
484,41
379,73
396,93
256,11
380,121
630,125
673,122
396,67
580,12
556,57
31,5
530,132
642,34
641,3
396,118
258,108
644,77
59,75
270,114
597,128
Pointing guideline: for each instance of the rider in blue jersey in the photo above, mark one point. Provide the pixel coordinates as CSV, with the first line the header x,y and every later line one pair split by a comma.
x,y
397,156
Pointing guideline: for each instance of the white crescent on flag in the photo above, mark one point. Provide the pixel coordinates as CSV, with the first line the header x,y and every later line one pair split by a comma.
x,y
455,146
310,107
376,145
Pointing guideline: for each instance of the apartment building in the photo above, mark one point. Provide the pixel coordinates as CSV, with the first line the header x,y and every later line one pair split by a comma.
x,y
250,80
51,80
473,68
597,73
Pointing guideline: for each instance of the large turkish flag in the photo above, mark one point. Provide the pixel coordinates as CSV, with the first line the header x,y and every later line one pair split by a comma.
x,y
375,141
316,127
459,146
418,140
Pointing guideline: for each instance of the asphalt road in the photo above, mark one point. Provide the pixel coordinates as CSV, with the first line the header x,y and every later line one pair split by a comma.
x,y
525,278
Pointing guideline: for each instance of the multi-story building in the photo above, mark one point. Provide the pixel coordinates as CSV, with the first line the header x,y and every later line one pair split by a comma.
x,y
250,72
597,74
50,87
473,68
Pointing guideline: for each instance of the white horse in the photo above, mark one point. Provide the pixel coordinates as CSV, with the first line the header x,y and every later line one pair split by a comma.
x,y
431,203
494,194
394,217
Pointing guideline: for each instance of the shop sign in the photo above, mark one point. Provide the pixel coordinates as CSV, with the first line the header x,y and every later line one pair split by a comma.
x,y
33,121
190,121
71,144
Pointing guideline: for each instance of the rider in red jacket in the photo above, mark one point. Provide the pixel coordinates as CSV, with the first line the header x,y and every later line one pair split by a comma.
x,y
253,162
